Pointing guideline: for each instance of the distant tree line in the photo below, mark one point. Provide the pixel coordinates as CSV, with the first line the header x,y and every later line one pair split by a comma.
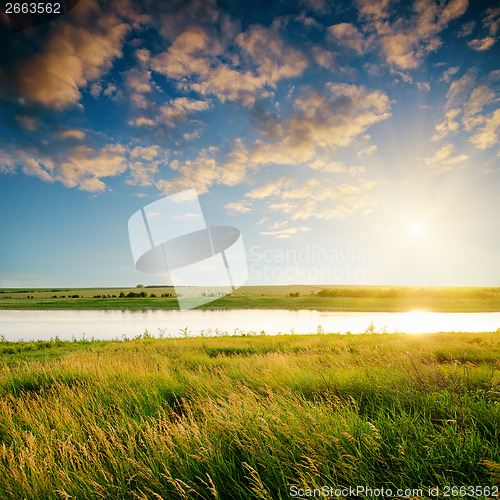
x,y
411,292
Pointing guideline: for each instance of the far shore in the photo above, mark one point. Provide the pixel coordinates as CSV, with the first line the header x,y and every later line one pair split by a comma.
x,y
293,297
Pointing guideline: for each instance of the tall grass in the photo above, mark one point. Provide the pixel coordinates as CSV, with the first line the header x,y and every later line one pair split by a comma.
x,y
249,417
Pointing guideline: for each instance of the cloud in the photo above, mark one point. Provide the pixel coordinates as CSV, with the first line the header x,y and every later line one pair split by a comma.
x,y
492,20
147,153
481,45
145,164
466,29
315,197
143,56
142,174
323,120
367,150
460,89
192,61
448,125
205,170
189,136
188,55
138,83
196,60
449,73
279,224
72,134
77,167
7,165
487,136
491,24
33,167
444,159
72,56
274,60
318,6
324,164
200,174
272,188
481,96
404,41
239,207
470,96
173,113
325,58
349,36
178,110
85,167
142,121
374,9
286,233
28,122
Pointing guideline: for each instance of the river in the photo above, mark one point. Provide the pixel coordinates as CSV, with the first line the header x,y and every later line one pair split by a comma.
x,y
107,325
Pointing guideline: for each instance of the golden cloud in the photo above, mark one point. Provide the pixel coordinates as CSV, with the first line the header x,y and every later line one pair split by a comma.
x,y
71,57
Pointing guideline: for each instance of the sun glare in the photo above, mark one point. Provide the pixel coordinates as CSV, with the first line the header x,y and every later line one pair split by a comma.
x,y
416,228
419,321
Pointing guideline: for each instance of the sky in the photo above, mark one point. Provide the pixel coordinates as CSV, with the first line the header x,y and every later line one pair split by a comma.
x,y
349,142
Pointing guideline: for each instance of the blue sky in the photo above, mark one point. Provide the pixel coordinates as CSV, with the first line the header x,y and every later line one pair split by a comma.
x,y
351,143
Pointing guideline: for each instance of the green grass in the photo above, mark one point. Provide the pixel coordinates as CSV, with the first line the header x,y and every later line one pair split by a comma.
x,y
248,417
390,299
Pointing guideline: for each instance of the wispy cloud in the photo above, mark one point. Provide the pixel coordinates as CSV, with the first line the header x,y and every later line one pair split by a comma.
x,y
445,159
239,207
319,198
286,233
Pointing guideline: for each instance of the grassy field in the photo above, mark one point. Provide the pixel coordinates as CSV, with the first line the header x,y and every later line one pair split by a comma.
x,y
390,299
255,417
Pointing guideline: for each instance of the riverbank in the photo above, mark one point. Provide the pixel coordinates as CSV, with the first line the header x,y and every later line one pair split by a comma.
x,y
250,417
293,297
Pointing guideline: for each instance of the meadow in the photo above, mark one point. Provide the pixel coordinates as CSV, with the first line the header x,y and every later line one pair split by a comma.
x,y
251,417
293,297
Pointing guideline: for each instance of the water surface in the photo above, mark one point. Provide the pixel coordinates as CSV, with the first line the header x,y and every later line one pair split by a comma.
x,y
107,325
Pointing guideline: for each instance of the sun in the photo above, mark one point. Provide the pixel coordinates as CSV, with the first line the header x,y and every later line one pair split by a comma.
x,y
416,227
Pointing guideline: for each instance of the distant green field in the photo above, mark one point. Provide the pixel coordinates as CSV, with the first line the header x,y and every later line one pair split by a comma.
x,y
251,417
294,297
